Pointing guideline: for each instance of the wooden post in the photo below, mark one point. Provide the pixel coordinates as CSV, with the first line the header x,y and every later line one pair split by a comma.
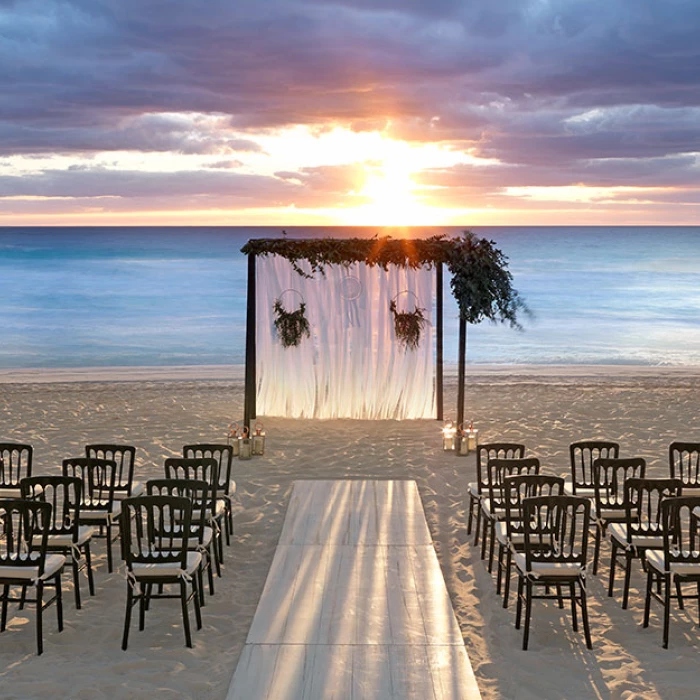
x,y
439,347
249,407
462,369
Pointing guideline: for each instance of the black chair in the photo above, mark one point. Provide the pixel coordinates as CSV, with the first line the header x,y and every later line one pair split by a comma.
x,y
581,456
642,529
124,457
554,554
203,469
223,454
679,561
98,506
24,560
477,489
493,506
201,535
15,464
609,476
510,532
66,535
684,464
155,532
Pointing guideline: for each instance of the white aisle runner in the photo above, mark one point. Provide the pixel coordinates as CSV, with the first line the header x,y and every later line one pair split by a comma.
x,y
355,606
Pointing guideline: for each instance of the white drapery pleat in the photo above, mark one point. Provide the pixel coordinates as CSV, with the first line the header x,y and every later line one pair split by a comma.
x,y
352,366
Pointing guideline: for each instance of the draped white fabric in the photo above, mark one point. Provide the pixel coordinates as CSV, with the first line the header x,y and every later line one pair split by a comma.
x,y
352,366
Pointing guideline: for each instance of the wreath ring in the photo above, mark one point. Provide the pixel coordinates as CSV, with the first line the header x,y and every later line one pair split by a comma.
x,y
290,326
408,325
350,288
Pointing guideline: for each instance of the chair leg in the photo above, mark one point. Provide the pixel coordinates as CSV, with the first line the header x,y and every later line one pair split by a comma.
x,y
647,599
584,614
227,523
185,614
197,591
142,607
528,613
667,607
3,617
127,616
217,563
698,587
484,536
574,617
613,562
628,574
519,605
596,550
59,602
88,566
22,597
492,544
210,571
499,569
560,597
76,581
109,547
679,593
471,514
478,525
506,585
39,617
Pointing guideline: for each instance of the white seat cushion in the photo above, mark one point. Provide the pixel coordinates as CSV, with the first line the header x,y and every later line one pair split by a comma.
x,y
102,514
548,568
231,487
10,492
168,569
502,535
52,564
583,492
193,542
137,489
473,487
655,558
619,532
490,511
85,532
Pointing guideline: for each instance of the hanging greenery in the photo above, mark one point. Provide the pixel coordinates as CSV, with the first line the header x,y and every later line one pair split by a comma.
x,y
291,326
481,282
408,325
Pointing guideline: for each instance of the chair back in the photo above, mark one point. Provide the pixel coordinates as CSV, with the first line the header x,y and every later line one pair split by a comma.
x,y
124,457
193,489
680,518
609,476
155,530
684,463
518,487
25,528
643,498
497,470
223,454
15,463
556,530
63,493
583,454
97,477
199,468
494,450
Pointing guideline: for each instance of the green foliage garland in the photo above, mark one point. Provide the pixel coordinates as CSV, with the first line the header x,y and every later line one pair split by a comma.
x,y
481,282
408,325
291,326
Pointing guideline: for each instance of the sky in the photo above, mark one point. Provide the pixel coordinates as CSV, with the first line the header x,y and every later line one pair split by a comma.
x,y
313,112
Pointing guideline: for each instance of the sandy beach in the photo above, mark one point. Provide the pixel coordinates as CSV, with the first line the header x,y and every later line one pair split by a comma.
x,y
159,411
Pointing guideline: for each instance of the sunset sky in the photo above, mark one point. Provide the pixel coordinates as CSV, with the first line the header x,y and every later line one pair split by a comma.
x,y
445,112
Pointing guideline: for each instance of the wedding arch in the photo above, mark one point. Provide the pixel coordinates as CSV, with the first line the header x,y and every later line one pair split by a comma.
x,y
353,328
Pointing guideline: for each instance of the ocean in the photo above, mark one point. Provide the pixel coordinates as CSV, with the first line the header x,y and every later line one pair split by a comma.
x,y
165,296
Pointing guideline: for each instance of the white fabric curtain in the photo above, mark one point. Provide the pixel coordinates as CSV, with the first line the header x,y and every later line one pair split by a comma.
x,y
352,366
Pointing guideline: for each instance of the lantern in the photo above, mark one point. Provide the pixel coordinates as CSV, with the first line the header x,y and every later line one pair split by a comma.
x,y
462,446
258,439
449,434
233,439
472,437
245,448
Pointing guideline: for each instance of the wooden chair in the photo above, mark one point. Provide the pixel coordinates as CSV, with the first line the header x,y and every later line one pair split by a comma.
x,y
124,457
679,560
609,476
15,464
581,456
510,532
98,506
554,554
493,450
201,535
684,464
155,532
24,560
493,507
223,454
203,469
642,529
66,535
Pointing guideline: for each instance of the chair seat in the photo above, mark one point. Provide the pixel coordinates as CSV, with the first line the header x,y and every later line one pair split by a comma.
x,y
52,564
85,532
167,569
10,492
547,569
193,542
502,535
137,489
491,511
619,532
219,510
610,514
99,514
657,560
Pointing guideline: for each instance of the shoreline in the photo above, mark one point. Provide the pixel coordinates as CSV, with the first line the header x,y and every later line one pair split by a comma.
x,y
234,373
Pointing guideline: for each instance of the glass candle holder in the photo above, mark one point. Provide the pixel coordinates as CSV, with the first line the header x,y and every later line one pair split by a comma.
x,y
473,439
462,443
449,436
245,447
233,439
258,440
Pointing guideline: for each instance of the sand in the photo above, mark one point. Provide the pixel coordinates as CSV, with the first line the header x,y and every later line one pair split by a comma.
x,y
159,412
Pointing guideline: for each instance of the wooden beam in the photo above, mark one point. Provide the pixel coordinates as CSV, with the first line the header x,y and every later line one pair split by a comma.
x,y
439,312
462,370
249,405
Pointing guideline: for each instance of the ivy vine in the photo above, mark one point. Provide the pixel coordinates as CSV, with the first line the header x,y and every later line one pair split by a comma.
x,y
408,325
291,326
